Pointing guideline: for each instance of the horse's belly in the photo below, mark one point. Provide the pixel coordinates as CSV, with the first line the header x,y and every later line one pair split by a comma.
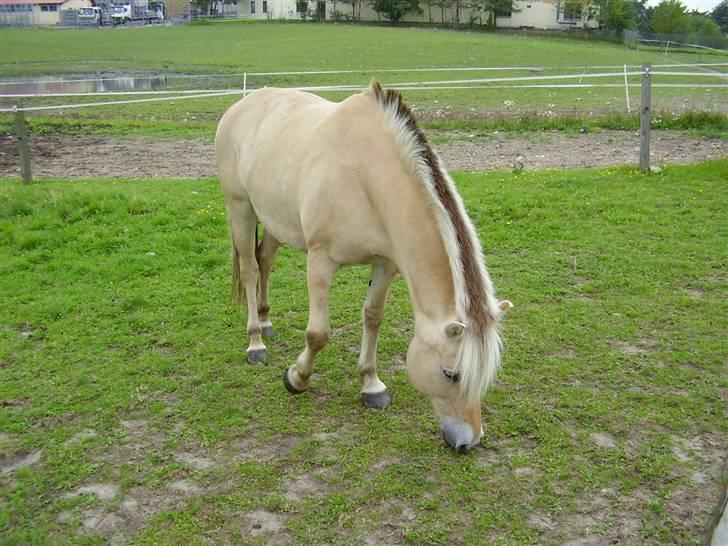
x,y
277,211
283,232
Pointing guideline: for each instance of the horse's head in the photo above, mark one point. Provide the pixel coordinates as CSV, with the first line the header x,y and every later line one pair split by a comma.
x,y
452,366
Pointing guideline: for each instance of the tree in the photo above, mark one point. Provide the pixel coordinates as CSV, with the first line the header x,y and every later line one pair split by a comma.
x,y
429,4
498,8
702,26
443,5
582,11
617,15
642,14
720,16
670,17
394,10
457,6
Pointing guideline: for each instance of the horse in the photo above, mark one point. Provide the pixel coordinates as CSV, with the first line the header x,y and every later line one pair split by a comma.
x,y
352,183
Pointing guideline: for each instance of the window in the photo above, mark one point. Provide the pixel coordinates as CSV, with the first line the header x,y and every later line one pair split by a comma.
x,y
48,7
252,6
572,10
265,6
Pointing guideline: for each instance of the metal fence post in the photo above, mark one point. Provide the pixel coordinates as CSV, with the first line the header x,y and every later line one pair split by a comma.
x,y
22,135
645,118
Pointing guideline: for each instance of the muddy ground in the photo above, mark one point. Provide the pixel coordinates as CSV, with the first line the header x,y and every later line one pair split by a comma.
x,y
102,157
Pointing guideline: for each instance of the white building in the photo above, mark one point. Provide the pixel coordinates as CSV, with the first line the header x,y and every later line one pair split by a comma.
x,y
540,14
20,13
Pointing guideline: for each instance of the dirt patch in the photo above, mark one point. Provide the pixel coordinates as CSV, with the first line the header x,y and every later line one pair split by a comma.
x,y
195,461
108,157
80,437
11,463
639,347
103,491
603,440
252,449
262,522
306,486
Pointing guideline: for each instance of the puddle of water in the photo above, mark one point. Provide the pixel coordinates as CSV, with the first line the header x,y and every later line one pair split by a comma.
x,y
62,84
71,84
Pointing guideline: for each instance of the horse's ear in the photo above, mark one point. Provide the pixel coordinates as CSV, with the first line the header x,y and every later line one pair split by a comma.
x,y
504,306
454,329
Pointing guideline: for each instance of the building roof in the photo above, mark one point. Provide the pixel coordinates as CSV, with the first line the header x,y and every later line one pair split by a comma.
x,y
15,2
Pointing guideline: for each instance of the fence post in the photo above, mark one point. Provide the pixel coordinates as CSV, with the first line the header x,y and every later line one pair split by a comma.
x,y
645,118
22,135
626,91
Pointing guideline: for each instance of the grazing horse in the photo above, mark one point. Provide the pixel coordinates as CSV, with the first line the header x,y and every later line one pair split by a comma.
x,y
356,182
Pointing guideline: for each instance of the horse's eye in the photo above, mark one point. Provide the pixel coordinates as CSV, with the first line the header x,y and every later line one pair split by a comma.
x,y
451,376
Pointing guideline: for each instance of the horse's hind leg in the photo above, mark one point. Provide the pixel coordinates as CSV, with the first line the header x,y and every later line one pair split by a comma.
x,y
266,256
374,392
320,273
242,225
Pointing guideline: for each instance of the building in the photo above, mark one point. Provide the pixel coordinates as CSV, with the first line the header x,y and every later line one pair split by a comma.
x,y
25,13
539,14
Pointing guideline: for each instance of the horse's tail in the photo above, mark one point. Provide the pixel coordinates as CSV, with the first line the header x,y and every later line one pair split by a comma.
x,y
237,292
237,295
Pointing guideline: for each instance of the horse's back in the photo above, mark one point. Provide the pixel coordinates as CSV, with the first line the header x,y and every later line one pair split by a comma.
x,y
305,165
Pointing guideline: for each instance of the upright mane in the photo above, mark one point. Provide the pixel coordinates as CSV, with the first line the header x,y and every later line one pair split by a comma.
x,y
479,356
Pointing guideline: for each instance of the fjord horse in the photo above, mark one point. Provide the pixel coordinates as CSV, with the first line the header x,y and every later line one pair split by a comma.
x,y
356,182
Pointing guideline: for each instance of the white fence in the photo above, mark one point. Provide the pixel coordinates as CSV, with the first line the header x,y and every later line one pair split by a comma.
x,y
537,79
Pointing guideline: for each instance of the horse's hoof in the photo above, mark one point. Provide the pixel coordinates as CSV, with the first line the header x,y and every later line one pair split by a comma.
x,y
377,400
290,388
267,331
257,356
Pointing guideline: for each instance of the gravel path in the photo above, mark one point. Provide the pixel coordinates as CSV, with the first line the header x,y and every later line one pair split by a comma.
x,y
107,157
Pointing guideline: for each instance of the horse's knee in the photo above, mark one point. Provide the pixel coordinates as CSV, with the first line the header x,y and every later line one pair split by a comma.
x,y
372,317
316,340
263,309
249,275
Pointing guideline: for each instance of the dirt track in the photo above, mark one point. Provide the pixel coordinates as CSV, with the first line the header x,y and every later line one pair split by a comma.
x,y
107,157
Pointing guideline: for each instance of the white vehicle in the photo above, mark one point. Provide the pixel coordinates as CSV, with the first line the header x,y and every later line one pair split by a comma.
x,y
120,14
89,16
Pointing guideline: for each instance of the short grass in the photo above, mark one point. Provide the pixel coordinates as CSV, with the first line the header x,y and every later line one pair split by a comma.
x,y
122,365
224,52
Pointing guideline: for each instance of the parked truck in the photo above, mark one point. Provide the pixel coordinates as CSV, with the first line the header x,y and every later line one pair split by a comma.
x,y
136,10
89,17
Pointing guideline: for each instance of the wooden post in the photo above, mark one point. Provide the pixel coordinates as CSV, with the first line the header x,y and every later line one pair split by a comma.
x,y
645,118
22,135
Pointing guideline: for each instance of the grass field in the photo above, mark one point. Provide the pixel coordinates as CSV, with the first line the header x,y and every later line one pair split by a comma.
x,y
127,410
223,52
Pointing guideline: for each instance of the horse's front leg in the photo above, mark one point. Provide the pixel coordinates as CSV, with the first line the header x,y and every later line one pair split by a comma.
x,y
374,392
320,273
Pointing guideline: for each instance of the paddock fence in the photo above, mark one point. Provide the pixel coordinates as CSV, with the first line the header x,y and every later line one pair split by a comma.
x,y
673,75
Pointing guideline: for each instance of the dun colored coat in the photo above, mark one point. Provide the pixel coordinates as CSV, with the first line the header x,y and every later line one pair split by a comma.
x,y
352,183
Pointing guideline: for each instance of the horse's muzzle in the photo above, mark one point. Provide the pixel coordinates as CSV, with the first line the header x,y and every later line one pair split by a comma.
x,y
457,434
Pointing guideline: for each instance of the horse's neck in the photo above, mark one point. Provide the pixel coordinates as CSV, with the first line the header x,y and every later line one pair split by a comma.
x,y
421,258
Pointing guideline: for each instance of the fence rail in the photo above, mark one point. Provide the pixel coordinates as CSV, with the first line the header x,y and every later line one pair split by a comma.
x,y
521,82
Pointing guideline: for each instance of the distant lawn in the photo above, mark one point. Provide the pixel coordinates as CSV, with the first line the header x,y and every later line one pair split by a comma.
x,y
270,47
127,410
223,52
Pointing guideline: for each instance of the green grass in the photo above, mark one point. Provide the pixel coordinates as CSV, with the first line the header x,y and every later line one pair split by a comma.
x,y
234,48
115,324
225,51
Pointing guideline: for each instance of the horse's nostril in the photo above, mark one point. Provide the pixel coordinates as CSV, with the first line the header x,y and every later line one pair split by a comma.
x,y
457,435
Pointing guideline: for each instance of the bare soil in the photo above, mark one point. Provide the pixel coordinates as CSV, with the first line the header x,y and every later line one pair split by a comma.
x,y
108,157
